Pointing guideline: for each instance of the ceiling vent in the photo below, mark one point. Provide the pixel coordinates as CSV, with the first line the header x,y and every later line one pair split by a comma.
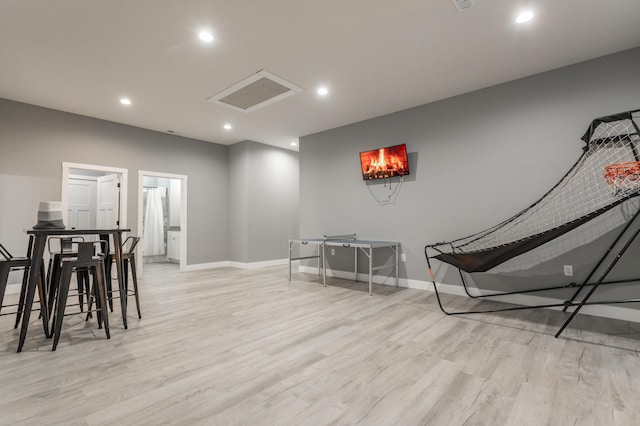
x,y
462,4
255,92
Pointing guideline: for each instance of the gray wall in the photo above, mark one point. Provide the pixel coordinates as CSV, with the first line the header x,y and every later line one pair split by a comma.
x,y
238,158
264,207
475,159
35,141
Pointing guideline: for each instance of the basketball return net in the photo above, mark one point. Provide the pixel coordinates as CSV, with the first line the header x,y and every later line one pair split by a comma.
x,y
606,175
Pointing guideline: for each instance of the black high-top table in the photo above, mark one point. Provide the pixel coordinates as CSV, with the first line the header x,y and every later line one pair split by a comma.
x,y
37,253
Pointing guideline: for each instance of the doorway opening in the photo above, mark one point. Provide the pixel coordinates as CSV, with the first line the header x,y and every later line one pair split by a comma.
x,y
94,197
162,219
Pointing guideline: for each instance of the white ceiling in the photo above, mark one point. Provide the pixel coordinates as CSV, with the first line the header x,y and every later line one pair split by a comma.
x,y
376,56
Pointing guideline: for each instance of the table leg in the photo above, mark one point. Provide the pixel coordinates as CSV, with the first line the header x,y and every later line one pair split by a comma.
x,y
34,276
370,270
397,249
43,295
290,260
355,265
102,297
324,266
117,250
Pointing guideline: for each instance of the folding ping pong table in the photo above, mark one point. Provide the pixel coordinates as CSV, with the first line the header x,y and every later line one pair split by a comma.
x,y
346,241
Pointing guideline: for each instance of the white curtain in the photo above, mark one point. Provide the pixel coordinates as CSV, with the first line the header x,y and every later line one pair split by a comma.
x,y
153,234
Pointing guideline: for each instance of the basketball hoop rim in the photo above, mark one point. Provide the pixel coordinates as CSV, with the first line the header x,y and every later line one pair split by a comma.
x,y
619,174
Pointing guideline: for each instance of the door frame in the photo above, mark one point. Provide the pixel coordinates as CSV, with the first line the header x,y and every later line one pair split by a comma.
x,y
124,179
183,214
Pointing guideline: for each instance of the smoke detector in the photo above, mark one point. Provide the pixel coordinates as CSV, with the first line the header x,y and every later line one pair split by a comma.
x,y
255,92
462,4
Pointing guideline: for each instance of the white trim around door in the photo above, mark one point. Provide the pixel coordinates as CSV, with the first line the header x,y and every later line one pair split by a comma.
x,y
183,214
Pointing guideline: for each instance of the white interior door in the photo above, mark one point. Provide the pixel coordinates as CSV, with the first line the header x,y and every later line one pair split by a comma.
x,y
107,202
81,207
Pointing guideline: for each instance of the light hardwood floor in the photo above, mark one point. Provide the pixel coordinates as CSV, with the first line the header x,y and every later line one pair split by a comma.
x,y
248,347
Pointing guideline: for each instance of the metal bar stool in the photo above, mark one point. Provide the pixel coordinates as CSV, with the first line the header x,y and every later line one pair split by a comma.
x,y
128,262
10,263
65,250
86,259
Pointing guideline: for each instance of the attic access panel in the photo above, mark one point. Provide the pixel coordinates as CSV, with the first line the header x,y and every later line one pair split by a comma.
x,y
255,92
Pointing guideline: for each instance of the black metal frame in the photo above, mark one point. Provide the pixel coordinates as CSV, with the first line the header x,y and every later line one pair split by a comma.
x,y
587,138
567,303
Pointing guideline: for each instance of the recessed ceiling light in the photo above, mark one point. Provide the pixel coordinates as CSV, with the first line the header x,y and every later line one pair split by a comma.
x,y
323,91
293,143
125,101
205,36
228,126
525,16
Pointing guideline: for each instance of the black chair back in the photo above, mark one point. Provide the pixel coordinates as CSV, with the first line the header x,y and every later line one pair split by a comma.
x,y
5,253
133,242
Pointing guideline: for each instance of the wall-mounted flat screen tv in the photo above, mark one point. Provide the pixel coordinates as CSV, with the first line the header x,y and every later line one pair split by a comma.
x,y
384,163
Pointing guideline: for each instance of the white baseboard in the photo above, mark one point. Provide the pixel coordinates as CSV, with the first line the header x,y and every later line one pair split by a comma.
x,y
203,266
605,311
239,265
258,265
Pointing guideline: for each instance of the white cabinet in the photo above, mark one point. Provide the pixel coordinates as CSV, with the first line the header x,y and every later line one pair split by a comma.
x,y
173,245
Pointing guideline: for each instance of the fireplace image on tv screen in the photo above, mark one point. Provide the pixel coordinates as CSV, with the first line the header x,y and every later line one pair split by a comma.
x,y
384,162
